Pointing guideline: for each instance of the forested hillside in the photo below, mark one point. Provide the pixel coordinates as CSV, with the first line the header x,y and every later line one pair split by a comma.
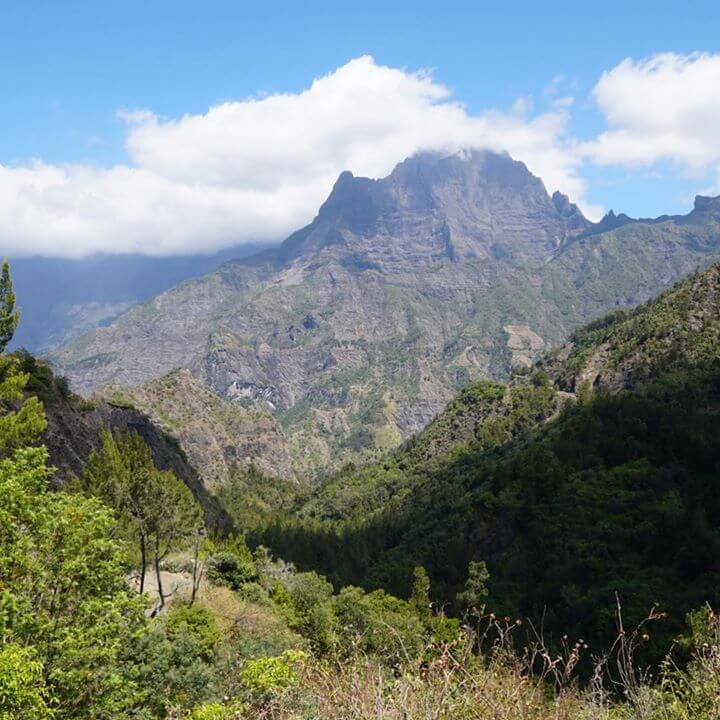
x,y
569,499
117,601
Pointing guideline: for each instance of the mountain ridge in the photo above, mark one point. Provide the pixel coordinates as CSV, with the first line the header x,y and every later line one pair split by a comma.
x,y
358,329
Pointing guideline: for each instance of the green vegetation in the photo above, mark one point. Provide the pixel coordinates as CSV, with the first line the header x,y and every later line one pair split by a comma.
x,y
595,519
567,502
155,509
615,495
680,328
9,315
483,416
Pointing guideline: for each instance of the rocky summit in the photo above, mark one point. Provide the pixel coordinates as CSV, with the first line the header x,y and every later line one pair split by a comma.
x,y
359,328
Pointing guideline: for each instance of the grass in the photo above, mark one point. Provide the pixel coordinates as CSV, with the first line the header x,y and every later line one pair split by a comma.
x,y
456,682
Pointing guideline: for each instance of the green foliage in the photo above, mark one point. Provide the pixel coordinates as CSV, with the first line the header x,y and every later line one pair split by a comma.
x,y
420,593
677,330
215,711
249,496
197,622
9,315
475,592
311,598
268,675
615,495
23,693
21,421
378,623
60,571
172,664
482,417
156,510
232,564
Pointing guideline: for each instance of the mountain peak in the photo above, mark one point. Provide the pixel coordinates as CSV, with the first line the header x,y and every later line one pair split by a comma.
x,y
570,212
468,204
705,203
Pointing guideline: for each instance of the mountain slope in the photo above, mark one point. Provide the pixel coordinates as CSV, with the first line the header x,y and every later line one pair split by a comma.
x,y
74,429
680,327
62,298
618,493
359,328
217,434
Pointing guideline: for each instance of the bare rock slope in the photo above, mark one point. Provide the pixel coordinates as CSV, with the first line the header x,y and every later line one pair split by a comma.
x,y
218,435
360,327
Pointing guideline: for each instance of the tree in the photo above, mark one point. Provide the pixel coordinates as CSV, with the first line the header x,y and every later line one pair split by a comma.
x,y
21,421
22,686
173,516
311,599
9,315
420,593
155,508
120,473
63,595
475,592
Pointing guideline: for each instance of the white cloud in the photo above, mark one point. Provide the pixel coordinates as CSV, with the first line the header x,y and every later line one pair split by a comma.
x,y
666,107
254,170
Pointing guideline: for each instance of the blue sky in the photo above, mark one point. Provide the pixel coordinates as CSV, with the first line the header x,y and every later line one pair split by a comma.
x,y
66,69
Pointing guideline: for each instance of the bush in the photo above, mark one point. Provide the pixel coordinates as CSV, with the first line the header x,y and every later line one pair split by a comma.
x,y
268,675
227,568
216,711
196,622
22,690
378,623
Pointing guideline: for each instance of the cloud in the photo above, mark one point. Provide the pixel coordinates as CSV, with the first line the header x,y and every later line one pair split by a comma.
x,y
663,108
256,169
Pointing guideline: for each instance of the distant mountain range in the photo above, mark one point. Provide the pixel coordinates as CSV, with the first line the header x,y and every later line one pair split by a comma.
x,y
358,329
62,298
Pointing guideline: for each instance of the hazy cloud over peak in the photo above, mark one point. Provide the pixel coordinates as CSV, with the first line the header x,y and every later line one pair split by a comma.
x,y
256,169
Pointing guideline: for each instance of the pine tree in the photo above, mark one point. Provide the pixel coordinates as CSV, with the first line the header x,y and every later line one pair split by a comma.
x,y
420,592
156,510
9,315
21,422
475,592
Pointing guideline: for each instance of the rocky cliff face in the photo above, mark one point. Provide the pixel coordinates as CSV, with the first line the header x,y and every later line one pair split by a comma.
x,y
73,432
217,434
358,329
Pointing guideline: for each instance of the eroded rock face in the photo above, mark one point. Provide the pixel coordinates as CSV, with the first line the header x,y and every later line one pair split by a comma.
x,y
360,327
217,434
72,434
524,344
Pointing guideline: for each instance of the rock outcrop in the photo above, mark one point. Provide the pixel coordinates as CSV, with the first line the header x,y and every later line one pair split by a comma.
x,y
217,434
74,431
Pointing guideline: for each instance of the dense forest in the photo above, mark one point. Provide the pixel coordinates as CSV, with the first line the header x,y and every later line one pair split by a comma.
x,y
570,498
523,557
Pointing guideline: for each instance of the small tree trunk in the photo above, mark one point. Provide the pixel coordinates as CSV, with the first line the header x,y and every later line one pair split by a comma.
x,y
159,580
196,572
143,562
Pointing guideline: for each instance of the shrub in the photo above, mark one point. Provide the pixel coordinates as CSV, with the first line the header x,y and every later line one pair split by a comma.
x,y
227,568
217,711
268,675
22,690
198,623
